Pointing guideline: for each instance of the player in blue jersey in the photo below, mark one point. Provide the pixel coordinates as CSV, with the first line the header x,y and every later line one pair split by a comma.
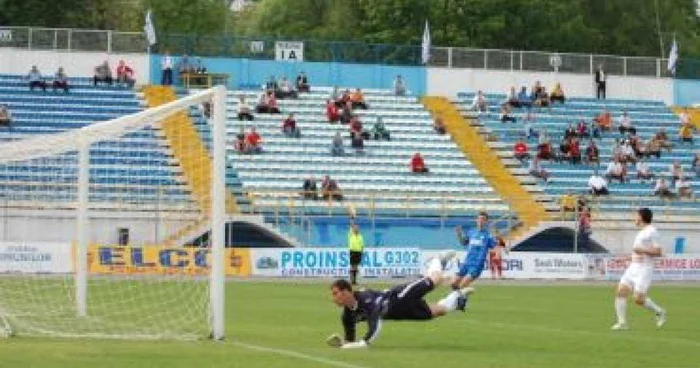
x,y
478,241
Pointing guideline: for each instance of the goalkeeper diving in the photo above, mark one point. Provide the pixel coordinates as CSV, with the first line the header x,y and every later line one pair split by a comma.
x,y
402,302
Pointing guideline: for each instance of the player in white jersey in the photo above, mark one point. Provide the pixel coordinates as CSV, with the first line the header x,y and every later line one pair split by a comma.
x,y
637,277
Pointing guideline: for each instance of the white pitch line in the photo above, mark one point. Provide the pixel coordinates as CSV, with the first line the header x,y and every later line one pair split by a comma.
x,y
586,332
295,354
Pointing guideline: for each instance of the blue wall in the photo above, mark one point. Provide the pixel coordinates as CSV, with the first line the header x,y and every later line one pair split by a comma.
x,y
686,92
246,72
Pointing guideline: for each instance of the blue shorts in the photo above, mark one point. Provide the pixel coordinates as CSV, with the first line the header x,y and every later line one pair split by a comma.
x,y
470,269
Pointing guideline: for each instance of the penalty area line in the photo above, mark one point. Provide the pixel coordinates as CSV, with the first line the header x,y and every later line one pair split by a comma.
x,y
296,354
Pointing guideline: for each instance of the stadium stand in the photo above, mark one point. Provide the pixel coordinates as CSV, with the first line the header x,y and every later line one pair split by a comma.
x,y
376,182
647,116
115,163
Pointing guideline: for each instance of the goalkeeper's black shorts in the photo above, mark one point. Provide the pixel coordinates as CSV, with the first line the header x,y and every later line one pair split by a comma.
x,y
406,301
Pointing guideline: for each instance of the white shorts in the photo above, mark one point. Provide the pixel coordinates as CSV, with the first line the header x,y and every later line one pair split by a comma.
x,y
638,277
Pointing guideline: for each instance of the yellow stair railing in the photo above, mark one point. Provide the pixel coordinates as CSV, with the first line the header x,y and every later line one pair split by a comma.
x,y
475,148
191,153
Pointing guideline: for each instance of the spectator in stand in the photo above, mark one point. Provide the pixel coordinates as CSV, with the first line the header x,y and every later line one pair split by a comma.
x,y
537,170
267,104
357,99
574,151
332,112
439,125
309,189
568,202
616,170
570,132
507,114
604,121
244,110
418,164
103,74
541,98
346,115
626,124
199,67
684,117
185,66
271,84
675,172
643,172
512,98
557,94
337,148
125,75
61,80
696,165
582,129
166,65
653,148
684,189
36,79
662,139
335,97
597,185
686,133
661,188
330,189
564,149
592,153
637,145
529,130
357,142
357,128
240,144
617,152
345,99
5,115
524,99
286,90
303,83
400,88
253,142
479,103
545,152
628,155
520,151
600,79
289,127
379,131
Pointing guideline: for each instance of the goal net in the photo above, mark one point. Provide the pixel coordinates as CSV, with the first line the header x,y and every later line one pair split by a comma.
x,y
105,228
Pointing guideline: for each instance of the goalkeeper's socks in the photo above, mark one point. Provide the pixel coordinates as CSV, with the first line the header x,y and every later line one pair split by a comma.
x,y
650,305
450,301
621,310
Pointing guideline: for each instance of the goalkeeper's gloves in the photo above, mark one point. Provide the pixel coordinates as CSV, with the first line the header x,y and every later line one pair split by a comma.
x,y
355,345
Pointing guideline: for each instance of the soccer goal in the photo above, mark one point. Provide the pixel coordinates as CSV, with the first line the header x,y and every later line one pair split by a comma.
x,y
116,229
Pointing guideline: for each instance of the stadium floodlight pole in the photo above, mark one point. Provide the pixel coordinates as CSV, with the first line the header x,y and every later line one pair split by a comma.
x,y
218,212
82,218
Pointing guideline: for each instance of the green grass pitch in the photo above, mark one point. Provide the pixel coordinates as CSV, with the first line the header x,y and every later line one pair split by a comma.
x,y
553,326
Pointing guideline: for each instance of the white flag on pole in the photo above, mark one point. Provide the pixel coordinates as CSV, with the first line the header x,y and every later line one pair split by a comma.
x,y
426,43
673,58
149,29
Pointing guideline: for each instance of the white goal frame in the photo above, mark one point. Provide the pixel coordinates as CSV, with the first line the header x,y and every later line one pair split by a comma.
x,y
81,139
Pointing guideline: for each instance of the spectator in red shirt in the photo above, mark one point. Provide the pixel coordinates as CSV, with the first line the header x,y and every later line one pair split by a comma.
x,y
252,141
330,189
575,151
417,164
520,150
289,127
357,129
267,104
582,129
125,75
592,152
332,112
346,116
544,151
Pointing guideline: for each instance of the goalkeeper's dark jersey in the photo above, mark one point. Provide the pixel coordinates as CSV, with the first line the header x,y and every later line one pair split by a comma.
x,y
402,302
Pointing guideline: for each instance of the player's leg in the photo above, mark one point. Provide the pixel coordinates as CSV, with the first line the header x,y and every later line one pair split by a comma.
x,y
642,299
355,260
624,289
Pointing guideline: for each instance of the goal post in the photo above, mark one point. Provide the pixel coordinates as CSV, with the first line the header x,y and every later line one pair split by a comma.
x,y
98,222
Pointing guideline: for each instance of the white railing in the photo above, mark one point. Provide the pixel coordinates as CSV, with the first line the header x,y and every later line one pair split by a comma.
x,y
450,57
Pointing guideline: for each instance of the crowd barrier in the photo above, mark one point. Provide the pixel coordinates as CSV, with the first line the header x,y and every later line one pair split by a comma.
x,y
398,262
